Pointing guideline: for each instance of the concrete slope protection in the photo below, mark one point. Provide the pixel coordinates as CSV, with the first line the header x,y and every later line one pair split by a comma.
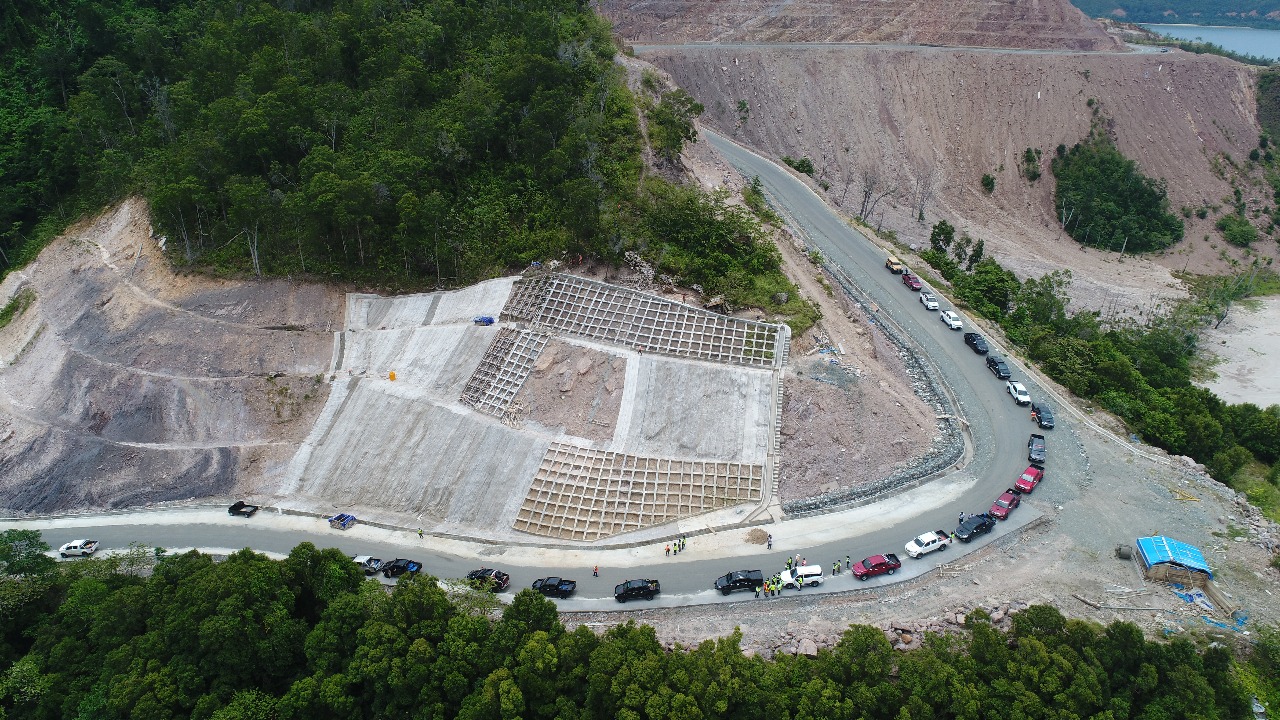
x,y
999,430
444,419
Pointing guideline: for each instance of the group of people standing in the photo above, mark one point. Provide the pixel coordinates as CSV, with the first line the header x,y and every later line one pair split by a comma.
x,y
678,545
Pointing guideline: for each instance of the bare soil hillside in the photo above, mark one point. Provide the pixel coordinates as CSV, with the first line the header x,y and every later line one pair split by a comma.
x,y
975,23
944,118
123,383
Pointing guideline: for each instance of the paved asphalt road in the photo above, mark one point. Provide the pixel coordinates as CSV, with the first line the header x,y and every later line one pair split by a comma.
x,y
999,431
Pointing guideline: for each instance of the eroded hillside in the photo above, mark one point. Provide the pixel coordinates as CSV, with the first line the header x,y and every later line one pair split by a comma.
x,y
124,383
943,118
973,23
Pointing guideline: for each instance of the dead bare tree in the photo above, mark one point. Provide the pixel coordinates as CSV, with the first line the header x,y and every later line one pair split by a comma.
x,y
876,186
926,183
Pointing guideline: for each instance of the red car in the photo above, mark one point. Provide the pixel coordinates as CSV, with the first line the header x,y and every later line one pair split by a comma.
x,y
1005,504
1030,478
911,281
876,565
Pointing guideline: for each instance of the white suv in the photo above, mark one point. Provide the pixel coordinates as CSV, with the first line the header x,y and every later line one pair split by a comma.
x,y
951,320
1019,393
928,301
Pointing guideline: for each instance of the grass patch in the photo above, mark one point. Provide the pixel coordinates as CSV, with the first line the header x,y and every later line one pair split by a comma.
x,y
17,305
1253,480
796,312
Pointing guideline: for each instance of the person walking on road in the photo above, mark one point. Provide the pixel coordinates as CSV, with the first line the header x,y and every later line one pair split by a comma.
x,y
668,549
848,563
769,542
835,568
595,572
757,592
419,533
788,562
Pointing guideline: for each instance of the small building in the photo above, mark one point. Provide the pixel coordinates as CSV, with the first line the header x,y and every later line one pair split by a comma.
x,y
1167,560
1164,558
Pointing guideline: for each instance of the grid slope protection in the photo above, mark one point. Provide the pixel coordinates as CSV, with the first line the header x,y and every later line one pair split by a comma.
x,y
585,494
645,322
503,369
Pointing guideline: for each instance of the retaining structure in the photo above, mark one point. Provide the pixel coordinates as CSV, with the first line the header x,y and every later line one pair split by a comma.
x,y
584,494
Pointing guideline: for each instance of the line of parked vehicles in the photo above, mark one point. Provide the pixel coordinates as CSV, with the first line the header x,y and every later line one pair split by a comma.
x,y
497,581
969,526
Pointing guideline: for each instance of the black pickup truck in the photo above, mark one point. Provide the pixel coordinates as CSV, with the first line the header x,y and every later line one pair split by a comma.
x,y
555,587
739,580
636,589
242,509
1035,449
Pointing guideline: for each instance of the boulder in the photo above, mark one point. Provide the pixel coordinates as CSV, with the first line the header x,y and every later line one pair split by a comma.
x,y
807,648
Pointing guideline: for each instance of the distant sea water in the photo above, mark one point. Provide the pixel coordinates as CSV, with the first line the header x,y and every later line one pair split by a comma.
x,y
1246,41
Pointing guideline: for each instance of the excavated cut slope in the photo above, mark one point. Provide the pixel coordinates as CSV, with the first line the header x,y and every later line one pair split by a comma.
x,y
945,117
972,23
124,384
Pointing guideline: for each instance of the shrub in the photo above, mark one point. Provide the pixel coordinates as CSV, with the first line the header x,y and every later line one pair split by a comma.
x,y
989,183
1237,230
803,165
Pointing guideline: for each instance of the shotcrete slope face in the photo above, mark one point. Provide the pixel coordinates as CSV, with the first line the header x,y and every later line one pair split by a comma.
x,y
1054,24
433,448
123,384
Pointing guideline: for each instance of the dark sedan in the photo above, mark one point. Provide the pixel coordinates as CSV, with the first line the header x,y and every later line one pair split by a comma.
x,y
973,526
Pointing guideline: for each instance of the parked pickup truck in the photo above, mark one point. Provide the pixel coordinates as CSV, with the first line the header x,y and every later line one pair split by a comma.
x,y
636,589
400,566
368,563
927,543
1035,448
739,580
242,509
81,548
1029,478
876,565
555,587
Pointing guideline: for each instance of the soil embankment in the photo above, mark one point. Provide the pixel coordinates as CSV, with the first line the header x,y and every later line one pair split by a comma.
x,y
943,118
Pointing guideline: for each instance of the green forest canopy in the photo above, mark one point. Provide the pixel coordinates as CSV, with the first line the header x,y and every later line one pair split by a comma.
x,y
1102,200
1252,13
310,638
397,143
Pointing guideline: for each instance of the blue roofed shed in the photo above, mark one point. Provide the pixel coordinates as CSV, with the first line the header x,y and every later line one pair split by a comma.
x,y
1159,550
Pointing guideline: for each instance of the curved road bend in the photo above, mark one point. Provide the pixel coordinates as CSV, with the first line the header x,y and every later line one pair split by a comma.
x,y
999,432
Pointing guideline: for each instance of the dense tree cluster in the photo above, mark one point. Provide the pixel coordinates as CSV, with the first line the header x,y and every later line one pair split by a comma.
x,y
307,637
396,144
1102,200
1141,372
349,137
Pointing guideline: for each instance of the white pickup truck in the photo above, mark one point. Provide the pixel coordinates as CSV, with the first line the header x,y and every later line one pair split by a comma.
x,y
927,543
80,548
